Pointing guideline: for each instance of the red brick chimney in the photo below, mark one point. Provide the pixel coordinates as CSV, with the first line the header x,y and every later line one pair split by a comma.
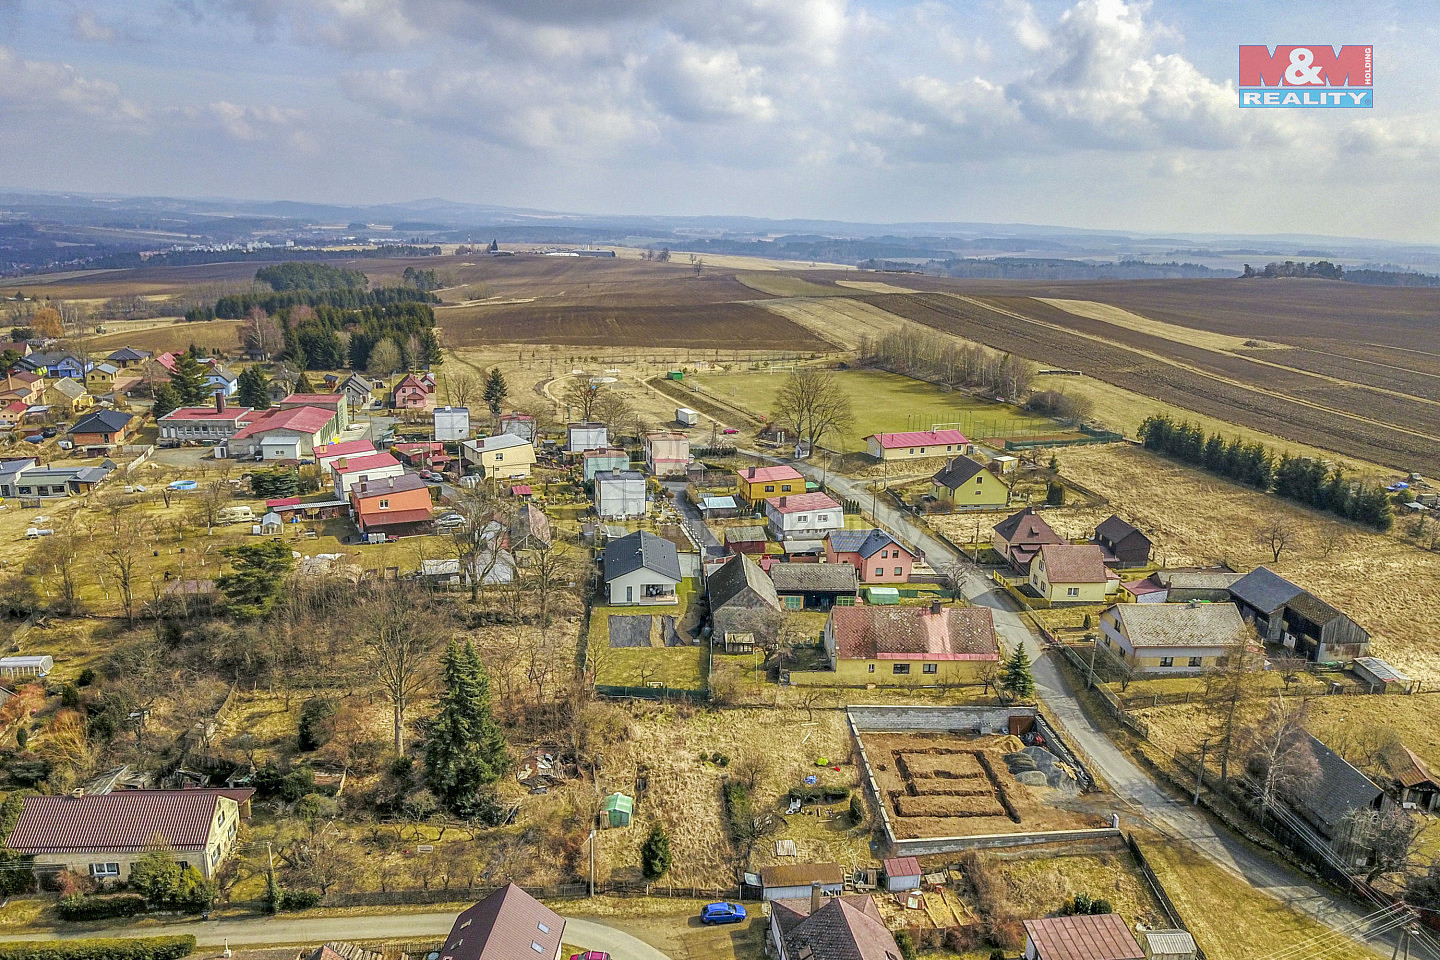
x,y
782,500
752,473
935,607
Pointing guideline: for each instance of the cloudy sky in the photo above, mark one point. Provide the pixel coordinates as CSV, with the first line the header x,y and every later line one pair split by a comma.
x,y
1088,113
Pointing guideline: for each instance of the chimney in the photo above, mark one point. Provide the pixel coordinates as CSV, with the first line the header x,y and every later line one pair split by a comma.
x,y
219,401
935,607
78,792
815,896
782,500
752,473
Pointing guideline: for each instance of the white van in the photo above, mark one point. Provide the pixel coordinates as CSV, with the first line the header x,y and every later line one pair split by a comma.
x,y
235,515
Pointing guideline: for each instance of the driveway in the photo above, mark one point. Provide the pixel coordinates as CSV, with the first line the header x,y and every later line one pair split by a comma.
x,y
293,929
700,532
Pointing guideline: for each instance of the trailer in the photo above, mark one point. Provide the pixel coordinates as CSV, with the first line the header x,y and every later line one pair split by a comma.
x,y
686,417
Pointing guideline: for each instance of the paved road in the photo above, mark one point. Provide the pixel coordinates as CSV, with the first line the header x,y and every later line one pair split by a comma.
x,y
691,517
1142,799
293,929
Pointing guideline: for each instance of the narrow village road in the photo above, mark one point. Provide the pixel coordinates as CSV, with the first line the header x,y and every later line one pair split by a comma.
x,y
312,931
1142,798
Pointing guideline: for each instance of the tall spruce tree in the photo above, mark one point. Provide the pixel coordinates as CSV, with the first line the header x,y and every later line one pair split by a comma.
x,y
1017,679
188,379
466,753
655,853
167,400
251,389
496,390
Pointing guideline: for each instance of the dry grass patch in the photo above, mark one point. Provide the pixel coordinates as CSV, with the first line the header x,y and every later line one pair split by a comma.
x,y
1105,313
1387,585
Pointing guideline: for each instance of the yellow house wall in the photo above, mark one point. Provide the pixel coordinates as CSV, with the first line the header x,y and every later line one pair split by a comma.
x,y
857,673
516,461
755,492
989,492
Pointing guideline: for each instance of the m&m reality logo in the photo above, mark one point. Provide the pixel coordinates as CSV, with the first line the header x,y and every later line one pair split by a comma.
x,y
1307,76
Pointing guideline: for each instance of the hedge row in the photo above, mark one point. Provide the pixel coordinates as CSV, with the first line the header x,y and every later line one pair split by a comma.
x,y
80,907
820,794
144,948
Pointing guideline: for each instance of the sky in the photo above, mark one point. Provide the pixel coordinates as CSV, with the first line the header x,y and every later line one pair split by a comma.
x,y
1101,114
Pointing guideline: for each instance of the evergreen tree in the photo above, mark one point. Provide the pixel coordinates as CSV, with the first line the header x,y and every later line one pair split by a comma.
x,y
251,389
303,384
466,753
430,353
257,574
188,379
167,400
655,854
496,390
156,877
1016,678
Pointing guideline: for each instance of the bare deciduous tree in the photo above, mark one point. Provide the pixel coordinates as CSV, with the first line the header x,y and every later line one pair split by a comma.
x,y
400,637
1276,535
460,387
1227,704
583,396
1279,760
812,405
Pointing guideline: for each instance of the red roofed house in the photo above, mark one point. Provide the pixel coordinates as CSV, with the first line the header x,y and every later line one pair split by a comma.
x,y
507,925
1100,937
283,433
330,401
830,928
874,553
393,505
900,645
806,516
413,393
102,835
13,413
330,452
1071,573
1019,537
762,483
349,471
916,446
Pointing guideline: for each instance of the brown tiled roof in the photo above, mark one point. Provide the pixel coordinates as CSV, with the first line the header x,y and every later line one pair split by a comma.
x,y
338,950
1102,937
844,928
122,822
802,874
1027,526
505,926
1073,562
868,633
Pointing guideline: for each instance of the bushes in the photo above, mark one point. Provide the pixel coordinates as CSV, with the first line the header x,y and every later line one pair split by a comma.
x,y
739,816
317,723
301,899
144,948
1082,904
819,794
77,906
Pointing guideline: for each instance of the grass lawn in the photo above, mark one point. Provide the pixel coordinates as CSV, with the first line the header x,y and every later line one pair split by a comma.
x,y
681,668
1251,923
885,403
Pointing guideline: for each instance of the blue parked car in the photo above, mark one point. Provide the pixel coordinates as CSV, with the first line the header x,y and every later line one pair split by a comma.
x,y
722,913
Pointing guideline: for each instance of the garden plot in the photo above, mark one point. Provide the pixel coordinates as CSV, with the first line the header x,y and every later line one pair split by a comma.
x,y
952,785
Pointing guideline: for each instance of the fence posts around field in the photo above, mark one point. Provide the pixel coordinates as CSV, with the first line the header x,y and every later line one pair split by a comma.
x,y
1172,912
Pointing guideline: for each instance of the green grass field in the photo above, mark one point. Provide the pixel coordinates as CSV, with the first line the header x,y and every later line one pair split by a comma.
x,y
886,403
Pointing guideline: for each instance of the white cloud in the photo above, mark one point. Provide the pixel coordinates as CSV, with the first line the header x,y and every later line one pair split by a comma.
x,y
41,87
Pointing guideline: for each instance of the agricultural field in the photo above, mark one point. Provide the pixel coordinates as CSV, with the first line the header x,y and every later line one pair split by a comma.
x,y
1353,414
1383,581
882,402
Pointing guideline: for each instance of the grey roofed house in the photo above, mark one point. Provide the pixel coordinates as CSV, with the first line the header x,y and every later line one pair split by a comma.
x,y
1180,624
957,472
68,388
740,595
128,355
1338,789
814,578
863,542
530,529
1264,590
1197,584
101,421
642,550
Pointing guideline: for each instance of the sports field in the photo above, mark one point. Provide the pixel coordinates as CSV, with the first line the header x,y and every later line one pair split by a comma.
x,y
883,403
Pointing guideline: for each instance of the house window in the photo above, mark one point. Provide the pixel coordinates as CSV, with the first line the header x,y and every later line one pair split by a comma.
x,y
770,488
1167,661
543,928
1196,661
899,571
932,668
879,571
1072,591
499,457
104,869
872,668
803,518
822,518
384,504
900,668
785,487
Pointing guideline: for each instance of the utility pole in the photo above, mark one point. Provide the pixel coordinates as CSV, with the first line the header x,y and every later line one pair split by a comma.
x,y
1200,775
592,861
1094,649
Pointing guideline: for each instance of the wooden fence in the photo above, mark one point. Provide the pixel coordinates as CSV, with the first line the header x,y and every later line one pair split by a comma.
x,y
651,693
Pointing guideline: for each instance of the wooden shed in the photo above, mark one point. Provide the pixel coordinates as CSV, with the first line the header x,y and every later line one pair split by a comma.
x,y
617,809
1168,945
